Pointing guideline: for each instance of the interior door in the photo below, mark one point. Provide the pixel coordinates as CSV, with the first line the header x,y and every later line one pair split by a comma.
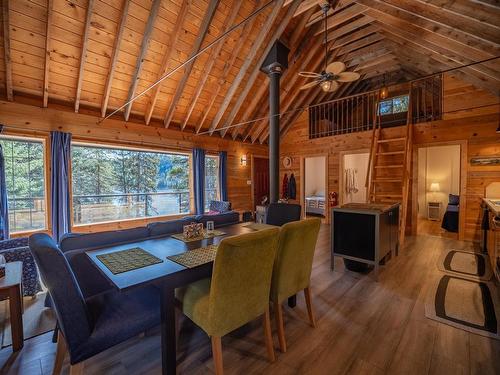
x,y
260,179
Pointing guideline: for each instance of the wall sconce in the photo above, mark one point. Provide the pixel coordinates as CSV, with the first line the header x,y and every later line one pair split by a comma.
x,y
243,160
384,91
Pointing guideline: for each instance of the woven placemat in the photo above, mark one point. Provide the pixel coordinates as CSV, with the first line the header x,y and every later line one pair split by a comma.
x,y
215,233
259,226
196,257
128,260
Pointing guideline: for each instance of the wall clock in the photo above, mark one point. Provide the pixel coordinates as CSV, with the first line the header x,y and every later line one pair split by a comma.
x,y
287,162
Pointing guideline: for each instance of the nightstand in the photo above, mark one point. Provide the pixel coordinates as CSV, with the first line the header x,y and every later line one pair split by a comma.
x,y
434,210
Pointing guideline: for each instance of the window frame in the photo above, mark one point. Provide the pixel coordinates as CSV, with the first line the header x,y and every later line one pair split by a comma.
x,y
96,144
216,157
47,184
391,99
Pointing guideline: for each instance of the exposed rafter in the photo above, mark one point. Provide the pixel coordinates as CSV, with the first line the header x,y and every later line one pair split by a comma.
x,y
264,31
114,58
343,16
83,55
181,17
46,69
207,20
142,55
6,49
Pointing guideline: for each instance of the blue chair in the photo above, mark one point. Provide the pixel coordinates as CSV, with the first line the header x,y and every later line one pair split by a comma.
x,y
281,213
90,326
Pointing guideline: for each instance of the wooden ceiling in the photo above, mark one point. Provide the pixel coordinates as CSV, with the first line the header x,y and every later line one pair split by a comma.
x,y
98,54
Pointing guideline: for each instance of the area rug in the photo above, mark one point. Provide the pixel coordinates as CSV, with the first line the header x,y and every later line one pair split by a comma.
x,y
465,264
466,304
37,319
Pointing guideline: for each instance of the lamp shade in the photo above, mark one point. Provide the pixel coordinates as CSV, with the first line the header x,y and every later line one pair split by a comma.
x,y
435,187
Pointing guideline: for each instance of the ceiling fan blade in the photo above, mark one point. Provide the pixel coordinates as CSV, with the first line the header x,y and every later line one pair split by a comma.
x,y
309,85
333,86
348,77
309,74
335,67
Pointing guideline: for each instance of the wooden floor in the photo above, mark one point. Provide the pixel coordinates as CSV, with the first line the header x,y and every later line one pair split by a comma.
x,y
364,327
433,228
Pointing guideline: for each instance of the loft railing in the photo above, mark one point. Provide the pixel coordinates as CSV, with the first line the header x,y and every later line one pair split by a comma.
x,y
346,115
427,99
88,209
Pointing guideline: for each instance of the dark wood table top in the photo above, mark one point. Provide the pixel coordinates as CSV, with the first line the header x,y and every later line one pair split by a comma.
x,y
161,248
13,275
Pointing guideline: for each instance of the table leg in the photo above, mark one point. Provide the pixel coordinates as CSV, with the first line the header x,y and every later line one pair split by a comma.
x,y
168,342
292,301
16,317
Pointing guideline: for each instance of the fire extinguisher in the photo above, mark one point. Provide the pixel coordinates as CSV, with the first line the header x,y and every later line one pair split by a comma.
x,y
333,198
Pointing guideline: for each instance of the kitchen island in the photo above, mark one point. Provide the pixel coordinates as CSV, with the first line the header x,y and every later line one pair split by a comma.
x,y
364,233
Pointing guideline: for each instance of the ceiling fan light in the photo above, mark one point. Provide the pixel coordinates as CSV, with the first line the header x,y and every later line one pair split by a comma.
x,y
326,85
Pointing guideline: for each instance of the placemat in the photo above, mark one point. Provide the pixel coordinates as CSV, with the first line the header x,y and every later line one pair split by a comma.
x,y
196,257
215,233
128,260
259,226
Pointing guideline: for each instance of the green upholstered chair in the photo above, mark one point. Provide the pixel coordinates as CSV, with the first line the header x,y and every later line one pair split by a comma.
x,y
292,268
238,291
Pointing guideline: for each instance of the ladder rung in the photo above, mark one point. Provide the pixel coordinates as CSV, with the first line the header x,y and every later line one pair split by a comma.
x,y
387,180
391,153
388,195
390,166
391,140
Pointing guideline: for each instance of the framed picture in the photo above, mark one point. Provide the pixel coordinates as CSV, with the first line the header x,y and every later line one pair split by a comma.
x,y
492,160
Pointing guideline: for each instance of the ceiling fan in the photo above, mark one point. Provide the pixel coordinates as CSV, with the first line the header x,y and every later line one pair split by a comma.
x,y
332,73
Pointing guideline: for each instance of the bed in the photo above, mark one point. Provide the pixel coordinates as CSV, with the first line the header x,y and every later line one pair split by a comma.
x,y
450,218
315,204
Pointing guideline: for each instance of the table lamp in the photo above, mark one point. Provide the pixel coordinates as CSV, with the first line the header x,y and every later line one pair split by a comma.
x,y
434,188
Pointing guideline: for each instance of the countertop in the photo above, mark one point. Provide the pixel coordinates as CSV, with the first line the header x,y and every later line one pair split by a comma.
x,y
379,207
495,208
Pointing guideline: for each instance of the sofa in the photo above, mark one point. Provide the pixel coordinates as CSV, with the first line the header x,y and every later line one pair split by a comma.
x,y
91,281
17,249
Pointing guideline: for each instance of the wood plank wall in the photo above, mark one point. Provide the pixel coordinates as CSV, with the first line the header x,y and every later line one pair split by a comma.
x,y
28,120
460,123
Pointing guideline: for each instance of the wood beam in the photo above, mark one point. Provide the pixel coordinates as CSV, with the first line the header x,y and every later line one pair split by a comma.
x,y
114,58
46,69
318,16
355,36
244,36
83,55
6,48
304,6
373,38
259,40
299,40
210,63
341,17
351,26
153,13
202,32
165,62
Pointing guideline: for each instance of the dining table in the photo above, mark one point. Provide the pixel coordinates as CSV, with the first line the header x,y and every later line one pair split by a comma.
x,y
167,275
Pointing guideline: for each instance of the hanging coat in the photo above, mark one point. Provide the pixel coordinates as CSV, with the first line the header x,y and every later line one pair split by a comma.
x,y
292,187
284,192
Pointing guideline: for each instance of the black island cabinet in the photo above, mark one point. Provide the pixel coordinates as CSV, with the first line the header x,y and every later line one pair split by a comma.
x,y
364,234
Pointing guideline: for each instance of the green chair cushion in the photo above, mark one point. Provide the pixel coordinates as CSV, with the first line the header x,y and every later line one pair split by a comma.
x,y
194,298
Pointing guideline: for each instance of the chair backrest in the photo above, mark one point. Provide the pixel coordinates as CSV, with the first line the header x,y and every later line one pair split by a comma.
x,y
68,301
241,279
293,264
282,213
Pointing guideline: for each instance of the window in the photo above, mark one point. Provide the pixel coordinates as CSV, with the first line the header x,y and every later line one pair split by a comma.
x,y
111,184
398,104
211,180
25,180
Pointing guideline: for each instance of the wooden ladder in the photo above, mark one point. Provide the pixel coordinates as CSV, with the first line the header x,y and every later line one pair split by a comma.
x,y
388,177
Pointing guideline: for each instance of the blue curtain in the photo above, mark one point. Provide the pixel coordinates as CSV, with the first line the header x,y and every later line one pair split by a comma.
x,y
4,208
223,175
60,144
199,180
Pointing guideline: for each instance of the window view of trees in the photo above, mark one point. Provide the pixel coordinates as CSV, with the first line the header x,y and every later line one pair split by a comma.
x,y
397,104
114,184
25,179
211,180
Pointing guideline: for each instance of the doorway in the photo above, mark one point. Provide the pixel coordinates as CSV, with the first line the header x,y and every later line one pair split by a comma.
x,y
315,187
438,190
260,180
353,171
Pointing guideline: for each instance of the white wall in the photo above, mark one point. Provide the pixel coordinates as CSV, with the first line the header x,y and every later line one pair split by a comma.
x,y
315,176
439,164
359,163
